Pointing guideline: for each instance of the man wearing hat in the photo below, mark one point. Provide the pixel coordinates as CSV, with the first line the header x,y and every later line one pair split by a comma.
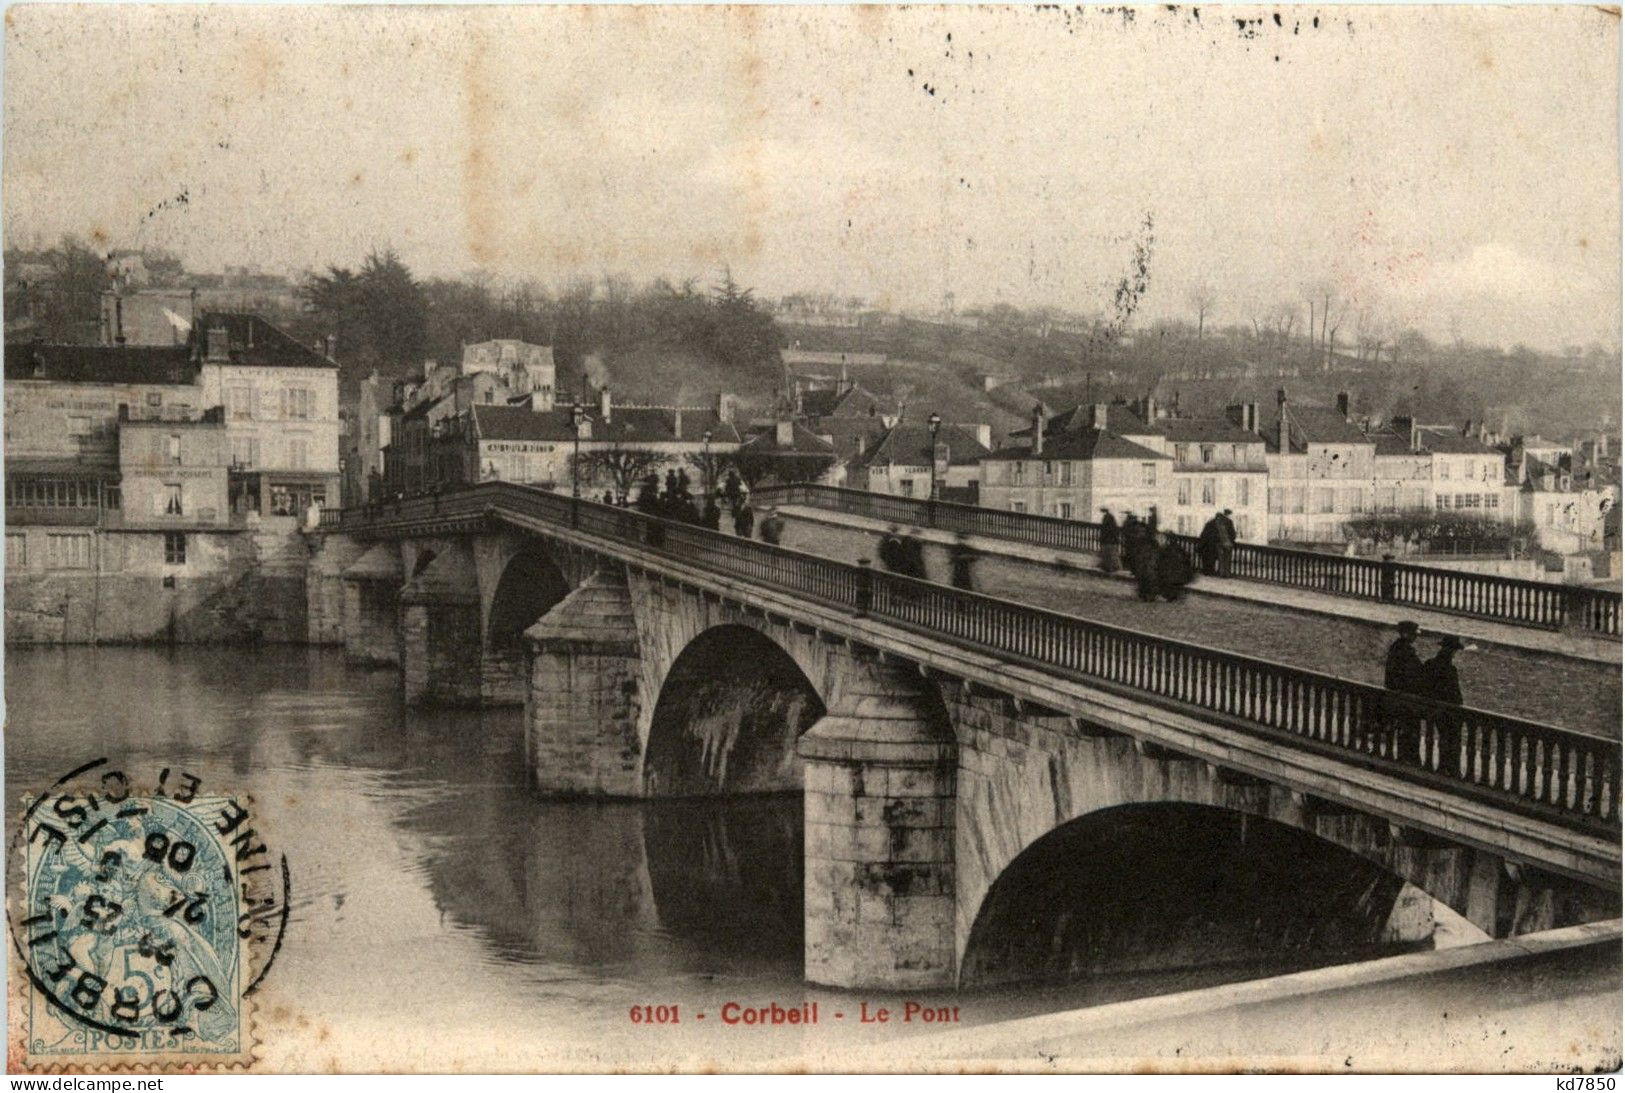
x,y
1402,672
1442,683
1227,542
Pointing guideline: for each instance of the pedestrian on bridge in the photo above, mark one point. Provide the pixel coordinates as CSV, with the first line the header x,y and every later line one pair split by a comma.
x,y
712,517
1227,542
962,561
891,552
1173,570
1111,542
1207,546
1401,676
772,528
1442,683
913,555
744,520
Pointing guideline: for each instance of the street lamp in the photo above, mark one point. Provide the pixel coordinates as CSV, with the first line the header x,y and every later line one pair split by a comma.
x,y
705,461
935,422
576,414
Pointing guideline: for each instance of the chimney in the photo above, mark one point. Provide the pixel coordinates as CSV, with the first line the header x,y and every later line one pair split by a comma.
x,y
1283,431
1150,409
1343,404
219,346
677,422
332,347
784,433
1098,416
725,408
984,435
1038,429
1250,415
1467,427
603,403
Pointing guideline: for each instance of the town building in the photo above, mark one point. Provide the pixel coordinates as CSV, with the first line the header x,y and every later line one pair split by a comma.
x,y
1322,471
524,369
900,462
119,517
786,451
1077,472
1218,465
281,403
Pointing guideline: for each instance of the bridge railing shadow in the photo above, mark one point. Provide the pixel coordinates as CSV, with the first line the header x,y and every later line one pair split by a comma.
x,y
1565,776
1511,600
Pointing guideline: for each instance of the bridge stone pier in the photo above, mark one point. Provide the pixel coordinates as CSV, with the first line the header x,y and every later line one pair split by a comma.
x,y
372,606
971,817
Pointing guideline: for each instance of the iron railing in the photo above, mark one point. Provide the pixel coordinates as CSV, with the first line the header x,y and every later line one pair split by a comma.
x,y
1478,595
1566,776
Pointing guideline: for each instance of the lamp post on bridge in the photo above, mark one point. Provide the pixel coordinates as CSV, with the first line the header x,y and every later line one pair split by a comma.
x,y
705,461
576,415
935,423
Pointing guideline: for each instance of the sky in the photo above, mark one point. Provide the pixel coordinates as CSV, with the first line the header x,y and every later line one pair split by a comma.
x,y
1457,169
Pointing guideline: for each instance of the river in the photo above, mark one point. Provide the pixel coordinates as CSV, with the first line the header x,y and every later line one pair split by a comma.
x,y
443,915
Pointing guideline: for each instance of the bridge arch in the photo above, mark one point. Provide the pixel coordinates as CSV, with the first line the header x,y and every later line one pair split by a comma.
x,y
727,716
530,585
1160,887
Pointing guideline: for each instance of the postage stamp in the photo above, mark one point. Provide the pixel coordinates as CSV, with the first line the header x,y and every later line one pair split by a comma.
x,y
142,921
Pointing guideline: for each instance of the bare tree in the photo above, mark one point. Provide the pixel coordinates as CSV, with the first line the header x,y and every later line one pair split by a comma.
x,y
622,466
1202,298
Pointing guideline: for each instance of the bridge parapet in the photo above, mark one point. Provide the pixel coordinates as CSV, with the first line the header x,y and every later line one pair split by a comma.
x,y
1335,737
1510,600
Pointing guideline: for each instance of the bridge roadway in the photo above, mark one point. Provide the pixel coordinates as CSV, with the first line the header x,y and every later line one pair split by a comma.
x,y
1525,679
1530,792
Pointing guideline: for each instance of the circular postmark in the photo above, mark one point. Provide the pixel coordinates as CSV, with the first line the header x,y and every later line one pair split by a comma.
x,y
143,918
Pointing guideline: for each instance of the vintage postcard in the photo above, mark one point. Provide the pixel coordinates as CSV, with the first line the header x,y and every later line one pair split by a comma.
x,y
812,538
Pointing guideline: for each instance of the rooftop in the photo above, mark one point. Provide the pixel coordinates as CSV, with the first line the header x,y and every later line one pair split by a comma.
x,y
1080,444
1447,441
627,424
909,443
254,341
158,364
854,401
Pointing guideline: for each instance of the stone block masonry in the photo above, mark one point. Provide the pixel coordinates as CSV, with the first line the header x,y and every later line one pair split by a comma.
x,y
879,837
584,700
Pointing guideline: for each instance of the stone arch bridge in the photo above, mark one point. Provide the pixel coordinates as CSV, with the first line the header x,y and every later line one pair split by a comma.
x,y
970,766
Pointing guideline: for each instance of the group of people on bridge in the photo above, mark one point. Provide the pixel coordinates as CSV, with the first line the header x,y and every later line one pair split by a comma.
x,y
678,502
1436,679
1161,566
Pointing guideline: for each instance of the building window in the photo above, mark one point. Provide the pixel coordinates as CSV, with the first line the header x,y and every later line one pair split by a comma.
x,y
1444,469
296,403
240,403
1209,491
69,551
1492,500
172,500
155,398
16,550
174,548
1018,473
1066,474
1354,500
1018,506
297,454
1148,474
1207,453
1063,509
172,448
245,451
1184,524
1442,501
1325,500
1243,491
1385,499
905,487
1184,491
1182,452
